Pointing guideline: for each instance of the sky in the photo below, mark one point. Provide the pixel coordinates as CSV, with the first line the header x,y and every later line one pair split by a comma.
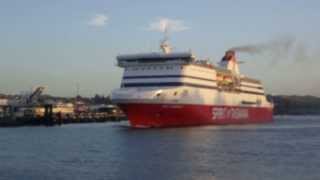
x,y
62,43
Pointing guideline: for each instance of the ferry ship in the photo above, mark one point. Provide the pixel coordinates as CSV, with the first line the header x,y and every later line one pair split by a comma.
x,y
171,89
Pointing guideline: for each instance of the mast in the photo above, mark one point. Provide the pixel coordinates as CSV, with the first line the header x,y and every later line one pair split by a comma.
x,y
164,45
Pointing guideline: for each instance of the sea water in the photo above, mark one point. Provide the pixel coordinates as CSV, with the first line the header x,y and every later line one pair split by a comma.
x,y
287,149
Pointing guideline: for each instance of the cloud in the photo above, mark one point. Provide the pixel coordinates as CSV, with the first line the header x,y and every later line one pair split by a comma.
x,y
166,24
98,20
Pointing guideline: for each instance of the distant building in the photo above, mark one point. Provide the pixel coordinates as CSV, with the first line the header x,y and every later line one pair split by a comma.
x,y
3,104
57,108
80,107
103,108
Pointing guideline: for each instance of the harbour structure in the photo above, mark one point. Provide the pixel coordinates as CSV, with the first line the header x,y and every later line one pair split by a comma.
x,y
3,107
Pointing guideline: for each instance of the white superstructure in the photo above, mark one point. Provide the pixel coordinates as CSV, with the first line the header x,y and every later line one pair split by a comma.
x,y
180,78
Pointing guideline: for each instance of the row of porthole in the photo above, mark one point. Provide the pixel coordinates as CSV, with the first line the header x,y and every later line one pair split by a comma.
x,y
185,92
175,93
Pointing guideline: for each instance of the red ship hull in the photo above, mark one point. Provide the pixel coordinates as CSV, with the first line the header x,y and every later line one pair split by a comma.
x,y
175,115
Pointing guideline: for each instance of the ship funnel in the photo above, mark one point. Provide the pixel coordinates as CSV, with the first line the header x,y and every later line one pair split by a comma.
x,y
229,62
165,46
230,55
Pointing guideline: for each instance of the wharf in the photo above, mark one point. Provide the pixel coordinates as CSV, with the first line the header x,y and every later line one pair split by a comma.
x,y
60,120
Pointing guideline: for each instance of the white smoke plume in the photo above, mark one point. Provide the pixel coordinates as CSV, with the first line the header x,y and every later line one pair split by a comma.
x,y
279,48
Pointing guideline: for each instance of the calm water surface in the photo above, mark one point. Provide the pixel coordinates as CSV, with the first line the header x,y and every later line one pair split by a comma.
x,y
287,149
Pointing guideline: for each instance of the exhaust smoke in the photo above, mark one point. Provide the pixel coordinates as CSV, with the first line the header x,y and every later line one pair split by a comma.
x,y
277,49
281,46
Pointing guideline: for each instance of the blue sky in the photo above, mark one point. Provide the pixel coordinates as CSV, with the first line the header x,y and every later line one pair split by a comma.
x,y
54,43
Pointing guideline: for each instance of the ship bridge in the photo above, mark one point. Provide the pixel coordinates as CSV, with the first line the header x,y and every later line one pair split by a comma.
x,y
134,59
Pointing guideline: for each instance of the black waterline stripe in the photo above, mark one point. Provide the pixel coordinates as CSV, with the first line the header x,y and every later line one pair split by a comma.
x,y
180,76
167,84
167,76
254,87
181,84
251,81
150,59
250,92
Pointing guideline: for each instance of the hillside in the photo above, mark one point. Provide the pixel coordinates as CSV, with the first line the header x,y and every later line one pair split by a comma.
x,y
296,105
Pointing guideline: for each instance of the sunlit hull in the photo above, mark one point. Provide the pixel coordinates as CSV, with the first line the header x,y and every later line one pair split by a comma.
x,y
143,115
